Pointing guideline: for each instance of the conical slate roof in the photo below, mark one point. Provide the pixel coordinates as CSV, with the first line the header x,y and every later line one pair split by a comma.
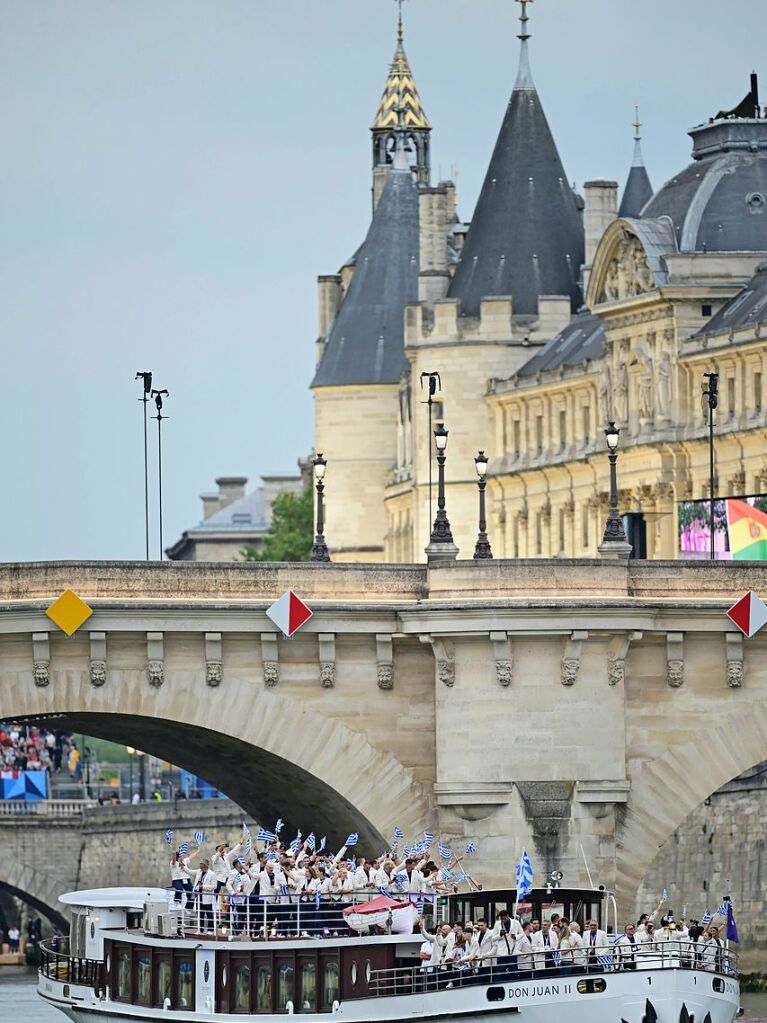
x,y
526,238
638,190
400,95
366,340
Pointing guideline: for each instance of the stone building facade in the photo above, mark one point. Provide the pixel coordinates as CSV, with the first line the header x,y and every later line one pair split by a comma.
x,y
545,317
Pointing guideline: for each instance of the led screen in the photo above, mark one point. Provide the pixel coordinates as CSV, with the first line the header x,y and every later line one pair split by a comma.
x,y
740,528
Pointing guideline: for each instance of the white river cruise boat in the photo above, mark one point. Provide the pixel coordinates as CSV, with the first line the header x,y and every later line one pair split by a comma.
x,y
138,955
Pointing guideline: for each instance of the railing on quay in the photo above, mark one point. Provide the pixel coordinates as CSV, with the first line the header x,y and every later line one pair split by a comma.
x,y
57,964
539,964
270,917
44,807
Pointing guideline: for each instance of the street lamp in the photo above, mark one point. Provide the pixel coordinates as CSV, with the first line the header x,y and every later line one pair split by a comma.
x,y
130,751
482,549
141,775
441,545
320,548
614,542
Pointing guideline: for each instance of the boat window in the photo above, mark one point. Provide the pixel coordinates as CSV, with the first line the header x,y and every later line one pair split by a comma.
x,y
550,908
354,973
162,982
330,985
263,988
284,985
308,993
718,984
592,986
495,994
241,1000
122,980
184,998
143,979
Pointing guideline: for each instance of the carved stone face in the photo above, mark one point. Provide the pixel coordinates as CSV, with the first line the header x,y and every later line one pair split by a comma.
x,y
570,667
734,674
328,675
214,673
98,673
156,673
675,673
271,673
385,676
42,673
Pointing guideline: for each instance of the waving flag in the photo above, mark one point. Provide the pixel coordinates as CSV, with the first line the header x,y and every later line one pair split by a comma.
x,y
398,833
722,911
747,528
279,825
706,918
459,876
380,888
323,840
401,881
283,889
295,845
445,874
311,841
445,852
169,836
406,850
350,864
428,839
266,836
352,839
248,840
524,876
732,927
471,848
664,896
184,848
272,856
199,837
317,899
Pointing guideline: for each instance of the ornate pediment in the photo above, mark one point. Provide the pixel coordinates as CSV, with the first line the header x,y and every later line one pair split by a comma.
x,y
628,273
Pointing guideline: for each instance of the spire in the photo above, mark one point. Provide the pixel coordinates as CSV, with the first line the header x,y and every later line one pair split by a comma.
x,y
638,190
526,238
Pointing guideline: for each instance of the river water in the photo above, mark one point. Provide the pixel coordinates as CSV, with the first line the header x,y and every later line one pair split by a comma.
x,y
18,1000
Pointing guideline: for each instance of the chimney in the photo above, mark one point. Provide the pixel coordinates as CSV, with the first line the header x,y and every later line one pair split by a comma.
x,y
210,505
601,210
329,295
230,488
436,211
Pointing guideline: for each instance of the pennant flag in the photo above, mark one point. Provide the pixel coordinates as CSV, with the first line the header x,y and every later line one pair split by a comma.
x,y
199,837
311,841
323,840
184,848
352,839
398,833
749,614
732,927
266,836
706,918
747,527
471,848
279,825
445,852
169,836
524,876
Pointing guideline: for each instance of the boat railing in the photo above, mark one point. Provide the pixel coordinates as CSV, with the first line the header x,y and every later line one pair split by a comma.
x,y
587,964
270,917
56,963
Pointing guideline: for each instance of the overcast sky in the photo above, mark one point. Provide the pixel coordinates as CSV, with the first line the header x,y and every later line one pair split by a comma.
x,y
176,173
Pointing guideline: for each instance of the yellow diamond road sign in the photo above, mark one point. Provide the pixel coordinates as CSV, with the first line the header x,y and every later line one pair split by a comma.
x,y
69,612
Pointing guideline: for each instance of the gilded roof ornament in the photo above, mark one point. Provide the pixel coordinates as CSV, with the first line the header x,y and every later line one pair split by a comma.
x,y
400,91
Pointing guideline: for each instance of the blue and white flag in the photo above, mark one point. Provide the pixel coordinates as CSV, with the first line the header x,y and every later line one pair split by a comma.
x,y
445,852
524,876
706,918
428,839
445,874
471,848
401,881
382,889
199,837
248,841
279,825
295,845
664,896
311,841
283,889
604,960
169,836
184,848
352,839
266,836
323,840
272,856
406,851
459,876
398,833
722,911
317,899
350,864
420,906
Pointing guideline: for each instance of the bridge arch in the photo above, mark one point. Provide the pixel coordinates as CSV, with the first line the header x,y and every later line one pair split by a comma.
x,y
269,754
38,889
666,790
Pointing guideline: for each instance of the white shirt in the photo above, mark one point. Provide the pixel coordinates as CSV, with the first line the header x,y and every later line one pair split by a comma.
x,y
426,949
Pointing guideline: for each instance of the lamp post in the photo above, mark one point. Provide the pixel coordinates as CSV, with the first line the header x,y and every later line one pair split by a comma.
x,y
614,542
141,774
130,751
320,548
711,391
482,548
441,545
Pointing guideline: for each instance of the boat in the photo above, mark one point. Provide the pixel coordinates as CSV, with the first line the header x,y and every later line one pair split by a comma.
x,y
145,955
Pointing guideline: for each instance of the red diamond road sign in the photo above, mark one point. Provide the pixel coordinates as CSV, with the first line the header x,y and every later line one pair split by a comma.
x,y
749,614
289,613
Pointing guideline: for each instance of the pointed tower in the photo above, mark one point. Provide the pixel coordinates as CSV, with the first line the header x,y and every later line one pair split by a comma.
x,y
400,108
638,190
526,238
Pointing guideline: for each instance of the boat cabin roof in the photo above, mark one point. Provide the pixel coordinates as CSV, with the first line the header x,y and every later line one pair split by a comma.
x,y
113,898
575,903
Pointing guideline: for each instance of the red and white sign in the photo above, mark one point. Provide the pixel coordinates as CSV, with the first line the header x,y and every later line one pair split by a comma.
x,y
289,613
749,614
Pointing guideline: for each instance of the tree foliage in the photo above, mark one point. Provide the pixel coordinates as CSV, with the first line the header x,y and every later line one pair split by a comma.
x,y
290,536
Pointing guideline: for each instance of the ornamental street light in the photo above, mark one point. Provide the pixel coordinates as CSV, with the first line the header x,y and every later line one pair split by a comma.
x,y
320,548
614,542
711,392
441,544
482,548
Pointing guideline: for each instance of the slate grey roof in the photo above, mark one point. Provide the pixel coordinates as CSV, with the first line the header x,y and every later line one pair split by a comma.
x,y
526,237
365,344
245,513
749,306
638,190
583,338
719,202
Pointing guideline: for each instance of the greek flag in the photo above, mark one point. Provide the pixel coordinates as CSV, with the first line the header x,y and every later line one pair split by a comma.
x,y
406,851
283,889
706,918
184,848
169,836
445,852
445,874
248,841
428,839
351,864
317,899
382,890
524,876
295,845
279,825
398,833
266,836
199,837
459,876
323,840
311,841
722,911
603,960
400,880
272,856
419,906
471,848
352,839
557,957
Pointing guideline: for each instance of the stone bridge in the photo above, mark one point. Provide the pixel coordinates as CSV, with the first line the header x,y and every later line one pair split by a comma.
x,y
549,704
57,846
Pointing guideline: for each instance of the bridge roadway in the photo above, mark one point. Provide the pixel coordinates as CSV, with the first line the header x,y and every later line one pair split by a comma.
x,y
548,704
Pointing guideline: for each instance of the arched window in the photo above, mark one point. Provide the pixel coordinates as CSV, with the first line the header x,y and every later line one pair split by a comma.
x,y
330,985
263,988
241,995
308,992
285,977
